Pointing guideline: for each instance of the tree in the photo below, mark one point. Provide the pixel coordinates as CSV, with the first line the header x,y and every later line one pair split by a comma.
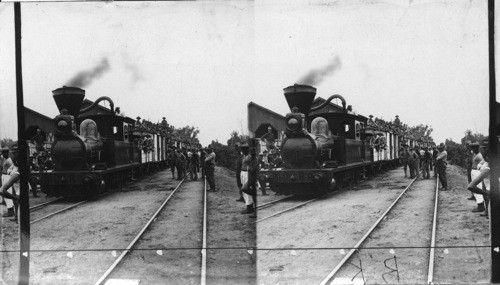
x,y
469,136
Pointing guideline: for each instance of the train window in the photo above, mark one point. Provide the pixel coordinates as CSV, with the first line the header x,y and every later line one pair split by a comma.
x,y
115,130
346,127
125,132
358,131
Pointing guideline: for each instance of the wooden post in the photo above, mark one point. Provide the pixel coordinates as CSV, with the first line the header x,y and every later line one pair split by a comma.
x,y
24,218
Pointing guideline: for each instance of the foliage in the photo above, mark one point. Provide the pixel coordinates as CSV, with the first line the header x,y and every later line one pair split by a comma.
x,y
457,153
6,142
186,134
226,155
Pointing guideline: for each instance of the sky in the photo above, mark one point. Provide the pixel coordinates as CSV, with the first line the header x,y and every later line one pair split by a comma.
x,y
201,63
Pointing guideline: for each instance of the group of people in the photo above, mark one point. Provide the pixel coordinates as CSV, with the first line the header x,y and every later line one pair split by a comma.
x,y
424,159
193,160
478,175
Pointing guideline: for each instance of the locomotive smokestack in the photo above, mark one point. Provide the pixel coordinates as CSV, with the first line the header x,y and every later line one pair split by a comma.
x,y
300,96
69,98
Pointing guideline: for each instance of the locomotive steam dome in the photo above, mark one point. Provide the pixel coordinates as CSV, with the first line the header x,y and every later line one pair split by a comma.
x,y
300,96
69,98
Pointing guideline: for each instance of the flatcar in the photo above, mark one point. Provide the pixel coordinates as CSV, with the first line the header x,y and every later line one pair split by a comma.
x,y
324,150
93,153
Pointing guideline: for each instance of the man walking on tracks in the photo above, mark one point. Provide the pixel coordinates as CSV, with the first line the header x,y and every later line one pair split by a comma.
x,y
441,167
210,169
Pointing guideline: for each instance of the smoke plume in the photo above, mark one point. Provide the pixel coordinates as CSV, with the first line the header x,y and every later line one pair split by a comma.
x,y
316,76
86,77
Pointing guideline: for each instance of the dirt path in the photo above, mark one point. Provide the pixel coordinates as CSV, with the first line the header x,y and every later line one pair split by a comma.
x,y
76,247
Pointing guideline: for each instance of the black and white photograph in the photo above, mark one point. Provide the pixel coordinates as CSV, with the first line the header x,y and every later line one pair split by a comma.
x,y
248,142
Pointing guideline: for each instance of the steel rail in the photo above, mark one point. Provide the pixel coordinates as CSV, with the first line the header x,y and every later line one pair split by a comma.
x,y
129,247
430,272
39,206
356,247
265,205
204,245
60,211
286,210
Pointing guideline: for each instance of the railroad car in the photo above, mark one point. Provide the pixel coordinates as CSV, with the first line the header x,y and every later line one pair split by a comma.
x,y
327,149
94,152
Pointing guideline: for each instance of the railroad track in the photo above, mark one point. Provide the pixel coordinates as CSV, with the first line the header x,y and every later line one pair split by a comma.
x,y
291,208
116,264
357,248
52,203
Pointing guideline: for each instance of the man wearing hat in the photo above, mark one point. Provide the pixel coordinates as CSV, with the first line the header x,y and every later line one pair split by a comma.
x,y
476,160
441,163
6,165
269,139
210,169
426,161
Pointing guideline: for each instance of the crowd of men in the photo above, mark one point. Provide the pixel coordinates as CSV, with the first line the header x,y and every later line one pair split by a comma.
x,y
192,160
416,160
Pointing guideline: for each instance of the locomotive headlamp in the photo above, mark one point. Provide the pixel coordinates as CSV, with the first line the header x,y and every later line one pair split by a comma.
x,y
62,126
293,124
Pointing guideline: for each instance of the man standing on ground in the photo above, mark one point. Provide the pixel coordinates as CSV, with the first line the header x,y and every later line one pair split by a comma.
x,y
441,163
468,163
7,164
269,139
478,158
210,169
239,162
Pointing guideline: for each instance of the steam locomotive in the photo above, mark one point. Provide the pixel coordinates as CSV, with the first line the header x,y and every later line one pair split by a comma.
x,y
108,150
329,148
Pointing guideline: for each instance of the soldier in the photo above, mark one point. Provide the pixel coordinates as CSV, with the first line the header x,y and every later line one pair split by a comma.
x,y
210,169
478,158
441,163
269,139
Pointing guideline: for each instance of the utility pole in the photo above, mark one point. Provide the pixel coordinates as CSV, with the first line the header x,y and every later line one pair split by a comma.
x,y
24,219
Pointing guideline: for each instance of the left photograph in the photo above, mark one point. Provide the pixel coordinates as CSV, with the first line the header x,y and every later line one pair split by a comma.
x,y
132,134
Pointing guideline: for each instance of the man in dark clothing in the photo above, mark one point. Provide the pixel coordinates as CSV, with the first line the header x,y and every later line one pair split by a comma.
x,y
180,165
269,139
239,161
426,161
172,160
203,154
195,159
39,141
434,161
210,169
468,163
441,162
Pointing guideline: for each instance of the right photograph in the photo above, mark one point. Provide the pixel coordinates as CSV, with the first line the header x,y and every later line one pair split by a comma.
x,y
370,122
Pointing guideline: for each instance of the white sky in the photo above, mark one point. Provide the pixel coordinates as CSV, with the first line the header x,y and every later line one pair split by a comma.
x,y
200,63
